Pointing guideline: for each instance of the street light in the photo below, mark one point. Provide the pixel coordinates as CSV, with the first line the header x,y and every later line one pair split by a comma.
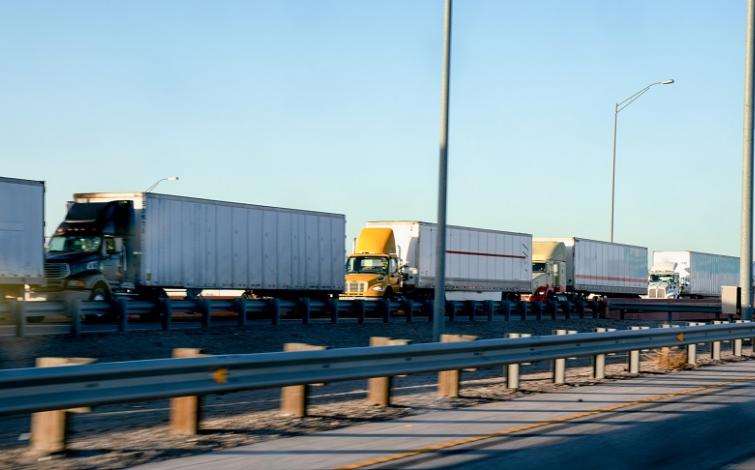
x,y
620,106
169,178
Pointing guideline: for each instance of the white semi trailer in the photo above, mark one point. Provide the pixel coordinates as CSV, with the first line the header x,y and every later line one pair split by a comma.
x,y
691,274
398,258
143,243
22,212
584,267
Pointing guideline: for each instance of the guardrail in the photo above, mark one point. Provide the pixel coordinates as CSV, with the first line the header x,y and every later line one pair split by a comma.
x,y
33,389
703,308
74,386
277,310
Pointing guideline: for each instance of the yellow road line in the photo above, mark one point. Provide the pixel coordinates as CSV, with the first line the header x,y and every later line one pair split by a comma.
x,y
536,425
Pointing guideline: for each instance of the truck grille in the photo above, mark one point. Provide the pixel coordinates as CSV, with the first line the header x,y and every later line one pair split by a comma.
x,y
356,287
57,270
656,293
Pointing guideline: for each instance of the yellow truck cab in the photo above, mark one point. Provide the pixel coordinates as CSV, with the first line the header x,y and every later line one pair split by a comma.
x,y
372,271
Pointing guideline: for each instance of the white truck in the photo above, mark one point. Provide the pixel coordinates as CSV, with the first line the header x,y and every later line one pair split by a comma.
x,y
398,258
22,238
578,266
143,243
691,274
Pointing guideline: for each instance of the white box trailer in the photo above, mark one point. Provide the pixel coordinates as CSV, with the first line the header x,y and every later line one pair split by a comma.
x,y
700,274
22,238
477,260
185,242
604,268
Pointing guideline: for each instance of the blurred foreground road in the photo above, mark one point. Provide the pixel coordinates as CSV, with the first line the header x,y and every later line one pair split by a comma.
x,y
693,419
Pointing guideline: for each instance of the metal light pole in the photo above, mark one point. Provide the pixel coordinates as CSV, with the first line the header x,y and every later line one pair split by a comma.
x,y
620,106
154,185
439,307
745,248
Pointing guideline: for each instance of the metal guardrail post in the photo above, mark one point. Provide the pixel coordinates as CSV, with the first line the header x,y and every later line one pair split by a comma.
x,y
451,310
186,411
567,308
470,307
294,397
449,380
166,319
306,310
121,310
737,343
579,306
275,311
359,310
715,346
205,308
379,388
506,310
523,307
19,310
240,305
385,305
512,370
692,348
634,355
408,307
552,307
489,309
537,309
334,305
49,429
74,312
559,365
599,360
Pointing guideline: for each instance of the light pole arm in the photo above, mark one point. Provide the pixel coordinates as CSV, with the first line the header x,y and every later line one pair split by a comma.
x,y
626,102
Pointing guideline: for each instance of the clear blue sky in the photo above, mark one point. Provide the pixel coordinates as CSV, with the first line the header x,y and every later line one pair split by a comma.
x,y
334,106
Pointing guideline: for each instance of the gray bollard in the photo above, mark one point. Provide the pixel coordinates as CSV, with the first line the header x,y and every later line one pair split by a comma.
x,y
512,370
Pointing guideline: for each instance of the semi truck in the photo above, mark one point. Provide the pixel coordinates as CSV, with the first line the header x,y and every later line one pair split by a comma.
x,y
22,211
691,274
578,267
397,258
139,244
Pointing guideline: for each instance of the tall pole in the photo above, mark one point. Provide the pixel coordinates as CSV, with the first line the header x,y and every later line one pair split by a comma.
x,y
745,248
439,307
613,165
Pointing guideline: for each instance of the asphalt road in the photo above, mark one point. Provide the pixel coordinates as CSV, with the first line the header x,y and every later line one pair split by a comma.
x,y
694,419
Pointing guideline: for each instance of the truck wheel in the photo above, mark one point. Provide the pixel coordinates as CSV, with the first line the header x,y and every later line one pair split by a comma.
x,y
388,295
100,293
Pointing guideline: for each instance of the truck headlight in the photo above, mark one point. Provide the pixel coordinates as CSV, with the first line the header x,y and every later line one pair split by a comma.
x,y
76,283
378,288
93,265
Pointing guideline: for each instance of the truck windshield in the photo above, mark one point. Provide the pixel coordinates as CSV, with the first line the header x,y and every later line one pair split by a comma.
x,y
367,264
661,277
74,243
538,267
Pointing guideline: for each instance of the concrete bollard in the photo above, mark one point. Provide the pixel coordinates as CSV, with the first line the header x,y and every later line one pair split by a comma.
x,y
379,388
49,428
599,360
449,380
186,411
715,346
512,370
294,397
634,356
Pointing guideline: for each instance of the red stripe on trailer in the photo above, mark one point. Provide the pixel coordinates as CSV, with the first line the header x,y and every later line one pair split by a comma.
x,y
475,253
611,278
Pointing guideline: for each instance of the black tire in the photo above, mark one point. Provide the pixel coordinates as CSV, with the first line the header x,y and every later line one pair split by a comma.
x,y
388,295
101,293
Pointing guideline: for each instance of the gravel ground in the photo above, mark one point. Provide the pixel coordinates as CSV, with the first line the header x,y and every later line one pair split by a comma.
x,y
117,436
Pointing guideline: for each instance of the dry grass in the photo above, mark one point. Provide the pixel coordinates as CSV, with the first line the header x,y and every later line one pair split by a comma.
x,y
668,359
